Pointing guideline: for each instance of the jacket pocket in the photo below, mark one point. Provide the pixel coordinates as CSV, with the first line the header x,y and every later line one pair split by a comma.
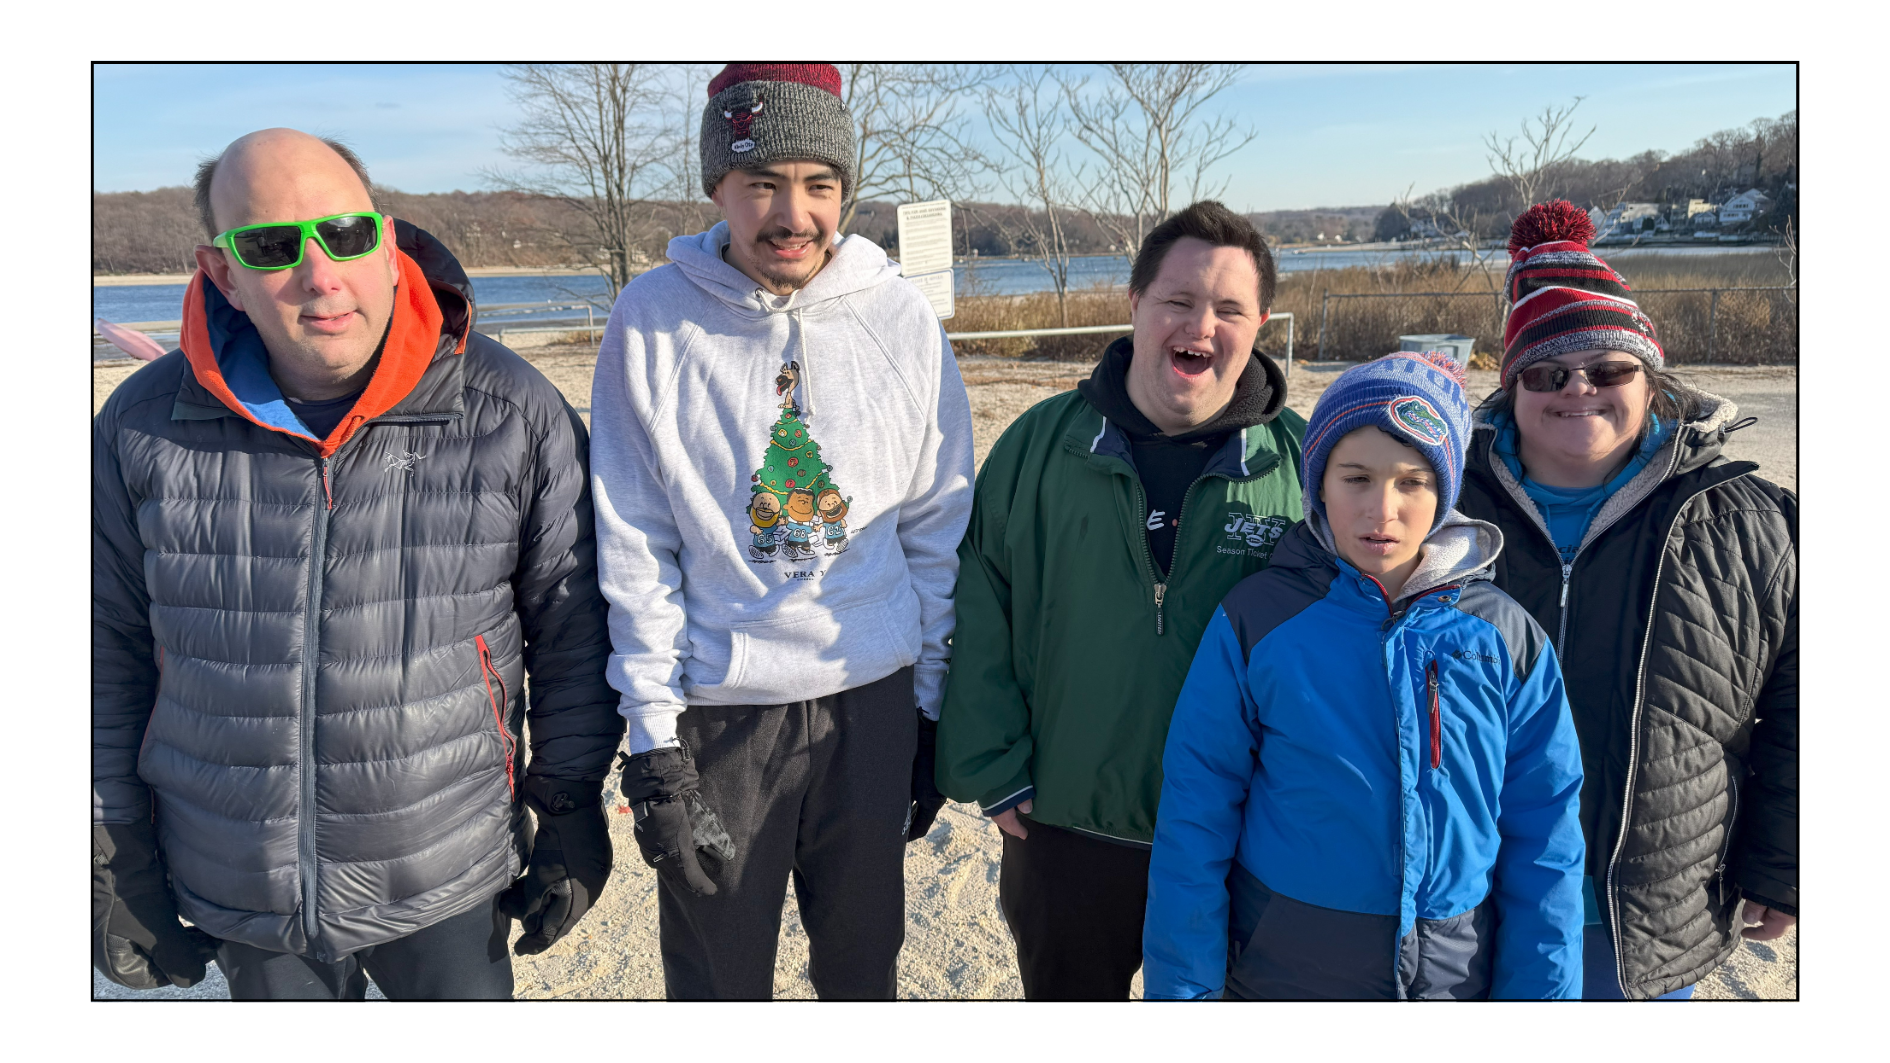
x,y
1437,716
1726,843
496,696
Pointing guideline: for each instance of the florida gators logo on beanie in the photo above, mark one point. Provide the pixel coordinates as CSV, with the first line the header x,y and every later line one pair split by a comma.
x,y
1565,299
1415,397
1420,418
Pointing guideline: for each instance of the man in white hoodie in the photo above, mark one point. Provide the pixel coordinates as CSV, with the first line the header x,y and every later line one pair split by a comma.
x,y
781,455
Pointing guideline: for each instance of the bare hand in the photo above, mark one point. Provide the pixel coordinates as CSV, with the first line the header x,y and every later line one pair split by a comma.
x,y
1765,924
1007,820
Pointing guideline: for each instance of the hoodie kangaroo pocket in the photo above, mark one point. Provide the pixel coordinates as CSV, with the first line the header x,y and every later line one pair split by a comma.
x,y
794,658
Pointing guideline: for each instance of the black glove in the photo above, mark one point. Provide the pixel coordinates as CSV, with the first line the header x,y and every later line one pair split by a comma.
x,y
926,800
136,938
571,860
664,791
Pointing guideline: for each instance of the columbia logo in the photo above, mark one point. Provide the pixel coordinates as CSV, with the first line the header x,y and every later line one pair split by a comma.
x,y
401,462
1472,655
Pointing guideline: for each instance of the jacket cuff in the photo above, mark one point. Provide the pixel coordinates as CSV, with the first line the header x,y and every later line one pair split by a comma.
x,y
1777,906
1005,804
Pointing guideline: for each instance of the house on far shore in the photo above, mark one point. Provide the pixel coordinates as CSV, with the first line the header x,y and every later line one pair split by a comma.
x,y
1744,207
1625,220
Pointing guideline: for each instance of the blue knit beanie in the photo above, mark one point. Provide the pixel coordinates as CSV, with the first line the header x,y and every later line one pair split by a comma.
x,y
1416,396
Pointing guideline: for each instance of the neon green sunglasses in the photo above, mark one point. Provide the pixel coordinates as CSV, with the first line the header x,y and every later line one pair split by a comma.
x,y
279,244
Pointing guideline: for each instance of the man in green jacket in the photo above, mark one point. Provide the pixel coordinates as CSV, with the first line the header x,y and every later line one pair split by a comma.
x,y
1107,525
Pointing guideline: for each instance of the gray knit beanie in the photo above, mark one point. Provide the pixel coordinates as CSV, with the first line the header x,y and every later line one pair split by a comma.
x,y
762,113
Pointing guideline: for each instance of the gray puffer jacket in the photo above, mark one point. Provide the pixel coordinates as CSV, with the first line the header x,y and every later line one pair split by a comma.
x,y
1677,629
308,657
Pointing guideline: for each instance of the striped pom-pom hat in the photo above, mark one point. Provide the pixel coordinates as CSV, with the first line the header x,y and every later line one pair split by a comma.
x,y
1415,397
1562,298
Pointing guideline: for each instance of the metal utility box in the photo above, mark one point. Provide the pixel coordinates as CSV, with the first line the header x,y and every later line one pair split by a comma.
x,y
1435,341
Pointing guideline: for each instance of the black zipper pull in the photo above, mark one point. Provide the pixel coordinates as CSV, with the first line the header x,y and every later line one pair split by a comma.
x,y
1161,591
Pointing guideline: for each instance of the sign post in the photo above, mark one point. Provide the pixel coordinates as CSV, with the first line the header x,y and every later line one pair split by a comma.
x,y
925,251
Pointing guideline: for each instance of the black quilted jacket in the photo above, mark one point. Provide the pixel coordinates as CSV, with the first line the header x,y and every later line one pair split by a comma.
x,y
313,669
1679,647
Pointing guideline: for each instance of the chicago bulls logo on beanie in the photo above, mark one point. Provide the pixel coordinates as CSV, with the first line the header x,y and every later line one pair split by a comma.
x,y
762,113
1563,298
1415,397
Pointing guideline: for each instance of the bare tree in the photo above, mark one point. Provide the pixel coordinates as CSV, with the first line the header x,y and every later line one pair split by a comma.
x,y
1532,167
1029,131
609,140
910,140
1146,127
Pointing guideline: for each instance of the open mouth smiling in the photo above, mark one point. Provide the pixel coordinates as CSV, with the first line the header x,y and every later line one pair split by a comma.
x,y
1190,362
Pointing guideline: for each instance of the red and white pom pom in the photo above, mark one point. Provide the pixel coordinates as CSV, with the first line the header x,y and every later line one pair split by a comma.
x,y
1556,221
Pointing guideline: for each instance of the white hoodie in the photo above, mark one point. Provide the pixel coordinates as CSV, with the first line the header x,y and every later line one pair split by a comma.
x,y
715,601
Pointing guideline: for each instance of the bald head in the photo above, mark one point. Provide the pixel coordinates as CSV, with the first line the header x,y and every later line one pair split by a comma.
x,y
264,174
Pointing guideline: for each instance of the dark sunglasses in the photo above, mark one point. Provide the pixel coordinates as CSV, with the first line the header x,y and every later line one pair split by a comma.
x,y
1553,377
278,245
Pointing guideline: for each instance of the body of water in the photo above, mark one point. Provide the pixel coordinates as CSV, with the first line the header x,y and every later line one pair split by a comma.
x,y
164,302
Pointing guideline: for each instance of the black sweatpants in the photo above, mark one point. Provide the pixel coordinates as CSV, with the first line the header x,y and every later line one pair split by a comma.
x,y
462,958
817,789
1075,906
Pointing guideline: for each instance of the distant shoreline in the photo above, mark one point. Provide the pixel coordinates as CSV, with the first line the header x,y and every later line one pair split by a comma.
x,y
125,280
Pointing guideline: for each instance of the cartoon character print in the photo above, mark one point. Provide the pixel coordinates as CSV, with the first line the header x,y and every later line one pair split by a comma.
x,y
764,515
798,520
833,519
794,506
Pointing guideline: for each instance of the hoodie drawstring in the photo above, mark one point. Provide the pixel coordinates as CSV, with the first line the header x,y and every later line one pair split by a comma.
x,y
807,365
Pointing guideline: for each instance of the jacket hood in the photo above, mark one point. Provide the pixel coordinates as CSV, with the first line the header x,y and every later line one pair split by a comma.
x,y
433,315
857,264
1457,550
1259,395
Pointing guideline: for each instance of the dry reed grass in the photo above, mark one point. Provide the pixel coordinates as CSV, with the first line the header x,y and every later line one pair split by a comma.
x,y
1753,328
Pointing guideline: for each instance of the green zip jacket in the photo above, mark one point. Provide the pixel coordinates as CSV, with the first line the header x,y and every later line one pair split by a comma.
x,y
1069,650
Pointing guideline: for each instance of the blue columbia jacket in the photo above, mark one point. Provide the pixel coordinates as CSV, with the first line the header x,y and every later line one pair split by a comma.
x,y
1369,799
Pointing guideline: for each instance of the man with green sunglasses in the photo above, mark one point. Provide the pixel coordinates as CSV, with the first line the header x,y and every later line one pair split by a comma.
x,y
278,245
333,535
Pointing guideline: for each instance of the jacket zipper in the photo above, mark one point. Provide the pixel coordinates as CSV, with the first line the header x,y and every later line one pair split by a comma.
x,y
1437,718
488,672
1634,727
311,651
1148,556
1528,506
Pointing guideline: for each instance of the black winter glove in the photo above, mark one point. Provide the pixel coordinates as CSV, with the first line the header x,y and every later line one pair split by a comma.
x,y
664,791
571,861
926,800
136,938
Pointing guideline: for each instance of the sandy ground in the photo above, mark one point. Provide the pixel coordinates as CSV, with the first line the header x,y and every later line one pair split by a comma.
x,y
956,942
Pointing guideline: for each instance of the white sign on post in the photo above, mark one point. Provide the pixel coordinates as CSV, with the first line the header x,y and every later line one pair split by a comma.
x,y
925,237
937,289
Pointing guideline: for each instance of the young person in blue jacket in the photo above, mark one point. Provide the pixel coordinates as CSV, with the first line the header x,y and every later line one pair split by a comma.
x,y
1372,781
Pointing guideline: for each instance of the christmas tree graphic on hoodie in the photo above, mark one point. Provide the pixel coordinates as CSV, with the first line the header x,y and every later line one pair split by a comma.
x,y
794,506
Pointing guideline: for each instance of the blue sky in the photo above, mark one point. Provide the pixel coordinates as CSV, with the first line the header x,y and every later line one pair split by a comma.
x,y
1330,135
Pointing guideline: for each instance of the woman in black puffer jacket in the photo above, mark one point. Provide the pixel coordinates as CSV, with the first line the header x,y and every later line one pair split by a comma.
x,y
1668,578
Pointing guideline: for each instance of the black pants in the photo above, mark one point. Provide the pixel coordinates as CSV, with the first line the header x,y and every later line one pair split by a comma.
x,y
462,958
817,789
1075,906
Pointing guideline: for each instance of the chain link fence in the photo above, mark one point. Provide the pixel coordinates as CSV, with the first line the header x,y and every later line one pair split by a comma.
x,y
1728,326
